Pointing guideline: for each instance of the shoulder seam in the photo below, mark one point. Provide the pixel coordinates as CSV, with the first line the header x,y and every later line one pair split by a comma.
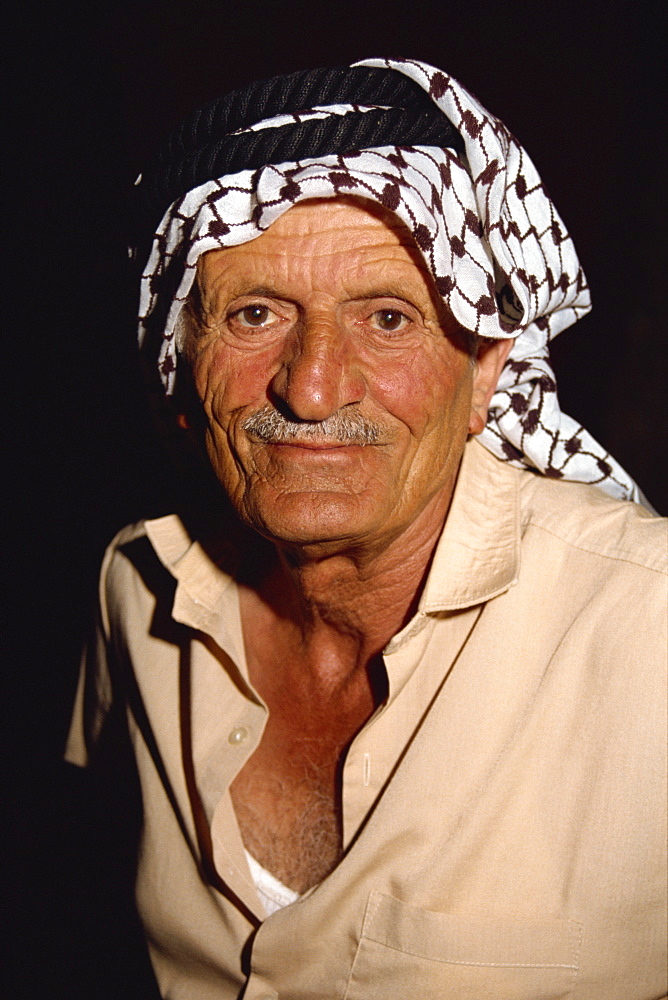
x,y
616,556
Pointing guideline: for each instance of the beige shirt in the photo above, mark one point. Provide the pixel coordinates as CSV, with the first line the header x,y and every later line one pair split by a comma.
x,y
504,810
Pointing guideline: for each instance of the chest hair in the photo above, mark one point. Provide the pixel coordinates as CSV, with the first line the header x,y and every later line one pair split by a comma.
x,y
287,797
289,815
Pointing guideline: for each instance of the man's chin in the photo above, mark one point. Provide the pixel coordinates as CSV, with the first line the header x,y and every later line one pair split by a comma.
x,y
311,518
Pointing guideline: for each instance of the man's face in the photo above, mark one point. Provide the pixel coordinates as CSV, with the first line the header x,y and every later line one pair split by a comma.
x,y
331,313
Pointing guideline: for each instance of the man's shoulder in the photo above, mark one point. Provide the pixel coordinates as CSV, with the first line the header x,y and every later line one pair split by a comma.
x,y
585,518
143,550
132,537
129,533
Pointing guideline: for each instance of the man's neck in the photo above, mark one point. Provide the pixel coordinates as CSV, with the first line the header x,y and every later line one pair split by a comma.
x,y
342,608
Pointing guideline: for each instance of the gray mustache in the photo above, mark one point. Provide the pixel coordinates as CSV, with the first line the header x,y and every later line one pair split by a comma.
x,y
343,427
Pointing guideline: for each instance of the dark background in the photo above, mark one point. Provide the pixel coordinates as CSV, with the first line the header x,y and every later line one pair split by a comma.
x,y
91,89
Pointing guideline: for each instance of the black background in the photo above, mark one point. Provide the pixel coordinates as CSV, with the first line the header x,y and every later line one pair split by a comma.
x,y
91,89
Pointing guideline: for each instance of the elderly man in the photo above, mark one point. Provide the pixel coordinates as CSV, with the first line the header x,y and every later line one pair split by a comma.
x,y
394,701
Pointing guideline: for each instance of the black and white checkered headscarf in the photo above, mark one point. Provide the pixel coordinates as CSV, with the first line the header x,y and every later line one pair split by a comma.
x,y
408,136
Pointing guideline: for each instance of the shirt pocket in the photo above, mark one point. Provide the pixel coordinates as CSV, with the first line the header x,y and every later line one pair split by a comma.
x,y
408,952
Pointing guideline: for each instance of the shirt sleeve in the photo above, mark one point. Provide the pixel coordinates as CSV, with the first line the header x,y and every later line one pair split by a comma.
x,y
94,695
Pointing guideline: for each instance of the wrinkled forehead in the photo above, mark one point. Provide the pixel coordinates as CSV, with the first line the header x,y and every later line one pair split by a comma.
x,y
349,238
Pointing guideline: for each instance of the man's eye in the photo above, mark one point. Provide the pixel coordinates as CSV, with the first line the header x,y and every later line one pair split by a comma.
x,y
390,320
253,315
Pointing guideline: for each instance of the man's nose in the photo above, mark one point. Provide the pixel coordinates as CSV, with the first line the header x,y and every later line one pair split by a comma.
x,y
319,373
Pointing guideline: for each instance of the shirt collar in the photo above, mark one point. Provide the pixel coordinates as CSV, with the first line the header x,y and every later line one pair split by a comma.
x,y
478,554
206,595
195,565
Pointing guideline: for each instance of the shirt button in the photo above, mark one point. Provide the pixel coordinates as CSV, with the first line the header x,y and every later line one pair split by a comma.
x,y
238,736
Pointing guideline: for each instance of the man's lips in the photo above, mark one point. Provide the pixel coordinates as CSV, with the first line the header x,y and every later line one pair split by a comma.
x,y
311,445
306,451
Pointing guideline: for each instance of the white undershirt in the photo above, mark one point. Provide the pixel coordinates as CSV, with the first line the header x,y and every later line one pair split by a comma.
x,y
272,892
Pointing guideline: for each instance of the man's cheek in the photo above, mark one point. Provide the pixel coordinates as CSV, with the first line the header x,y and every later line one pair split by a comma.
x,y
414,397
230,379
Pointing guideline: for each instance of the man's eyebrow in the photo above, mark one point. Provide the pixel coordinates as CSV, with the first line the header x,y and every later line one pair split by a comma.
x,y
386,292
267,291
391,291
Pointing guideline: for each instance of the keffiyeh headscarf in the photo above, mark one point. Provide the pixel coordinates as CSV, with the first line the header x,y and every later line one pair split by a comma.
x,y
411,138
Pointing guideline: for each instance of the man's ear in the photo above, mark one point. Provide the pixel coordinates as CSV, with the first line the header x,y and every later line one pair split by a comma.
x,y
186,403
491,357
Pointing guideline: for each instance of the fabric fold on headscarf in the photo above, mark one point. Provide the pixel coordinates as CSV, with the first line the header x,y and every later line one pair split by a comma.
x,y
498,251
